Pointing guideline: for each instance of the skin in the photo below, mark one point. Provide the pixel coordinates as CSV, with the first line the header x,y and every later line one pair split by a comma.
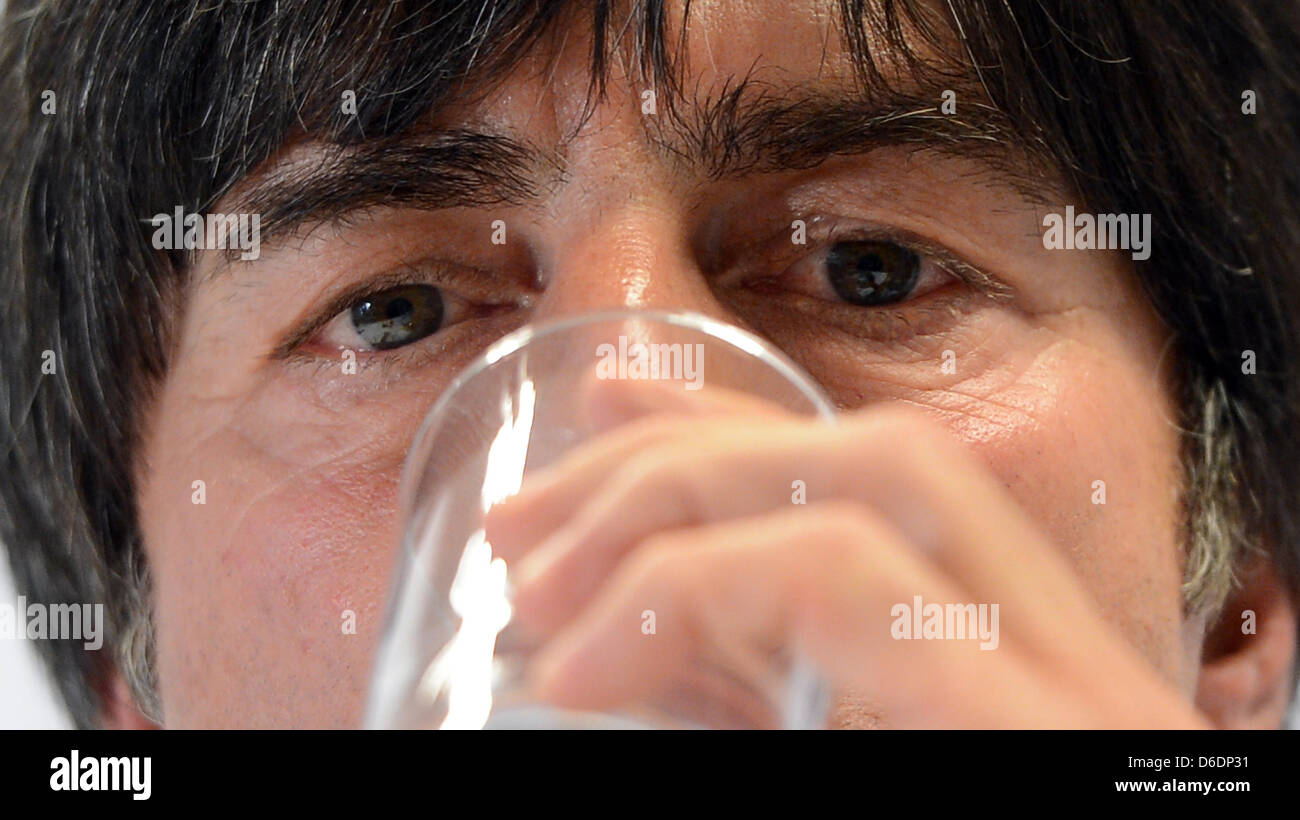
x,y
1058,384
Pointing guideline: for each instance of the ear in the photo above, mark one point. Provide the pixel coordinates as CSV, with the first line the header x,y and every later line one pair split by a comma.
x,y
119,709
1246,665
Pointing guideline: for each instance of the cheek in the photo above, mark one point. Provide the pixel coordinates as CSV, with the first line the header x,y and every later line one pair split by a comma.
x,y
1081,435
270,594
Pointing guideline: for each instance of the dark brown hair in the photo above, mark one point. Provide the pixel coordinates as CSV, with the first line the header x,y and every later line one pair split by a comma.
x,y
1137,105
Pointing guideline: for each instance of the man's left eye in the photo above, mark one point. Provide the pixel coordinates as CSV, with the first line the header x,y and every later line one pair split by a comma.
x,y
865,273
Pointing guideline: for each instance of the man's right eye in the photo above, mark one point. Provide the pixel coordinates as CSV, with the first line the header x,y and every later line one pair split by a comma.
x,y
398,316
389,318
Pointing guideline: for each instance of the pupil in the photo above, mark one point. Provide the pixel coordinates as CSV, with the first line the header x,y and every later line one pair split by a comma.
x,y
399,307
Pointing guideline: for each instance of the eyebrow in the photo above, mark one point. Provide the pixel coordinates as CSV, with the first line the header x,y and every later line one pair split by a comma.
x,y
736,133
430,171
742,131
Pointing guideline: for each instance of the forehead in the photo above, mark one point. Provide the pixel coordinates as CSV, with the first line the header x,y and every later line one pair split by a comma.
x,y
706,49
724,89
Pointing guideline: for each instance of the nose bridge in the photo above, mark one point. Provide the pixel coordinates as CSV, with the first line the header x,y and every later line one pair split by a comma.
x,y
633,254
618,233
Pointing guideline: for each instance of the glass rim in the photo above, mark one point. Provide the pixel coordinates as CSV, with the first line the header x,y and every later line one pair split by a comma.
x,y
514,341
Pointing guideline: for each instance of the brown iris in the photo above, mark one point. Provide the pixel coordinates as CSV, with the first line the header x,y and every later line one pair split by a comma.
x,y
866,272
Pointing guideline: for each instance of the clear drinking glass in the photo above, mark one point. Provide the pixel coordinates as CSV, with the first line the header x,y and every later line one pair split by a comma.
x,y
448,656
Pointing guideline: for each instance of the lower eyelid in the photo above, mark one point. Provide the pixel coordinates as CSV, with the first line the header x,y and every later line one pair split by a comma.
x,y
456,341
931,315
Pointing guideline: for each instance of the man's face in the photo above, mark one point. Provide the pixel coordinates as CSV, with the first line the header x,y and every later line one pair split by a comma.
x,y
1054,379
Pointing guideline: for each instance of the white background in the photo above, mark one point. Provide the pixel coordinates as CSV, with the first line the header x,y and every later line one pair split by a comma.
x,y
27,696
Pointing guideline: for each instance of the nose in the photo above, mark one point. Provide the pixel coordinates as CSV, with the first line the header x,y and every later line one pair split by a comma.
x,y
635,255
639,255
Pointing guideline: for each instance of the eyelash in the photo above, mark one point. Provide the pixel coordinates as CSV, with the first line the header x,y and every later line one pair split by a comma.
x,y
912,316
449,279
883,322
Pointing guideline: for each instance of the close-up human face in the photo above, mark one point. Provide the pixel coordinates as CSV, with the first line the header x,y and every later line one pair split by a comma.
x,y
1048,366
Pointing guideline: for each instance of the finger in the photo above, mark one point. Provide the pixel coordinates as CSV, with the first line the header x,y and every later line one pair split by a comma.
x,y
824,579
643,495
895,463
648,413
611,403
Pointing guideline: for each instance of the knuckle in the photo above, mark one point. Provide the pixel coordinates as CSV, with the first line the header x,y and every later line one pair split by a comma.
x,y
833,548
652,429
901,435
648,471
843,527
658,563
666,475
